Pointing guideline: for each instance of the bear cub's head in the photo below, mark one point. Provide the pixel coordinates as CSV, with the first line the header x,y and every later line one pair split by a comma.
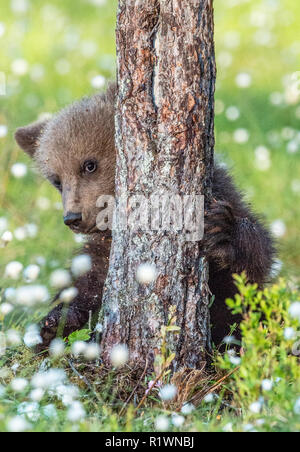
x,y
75,151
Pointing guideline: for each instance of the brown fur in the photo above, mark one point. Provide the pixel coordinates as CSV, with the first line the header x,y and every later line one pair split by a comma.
x,y
235,239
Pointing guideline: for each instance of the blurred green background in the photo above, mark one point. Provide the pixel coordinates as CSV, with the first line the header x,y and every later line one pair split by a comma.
x,y
53,52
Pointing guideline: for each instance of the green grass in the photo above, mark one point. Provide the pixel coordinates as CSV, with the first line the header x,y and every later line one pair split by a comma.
x,y
79,37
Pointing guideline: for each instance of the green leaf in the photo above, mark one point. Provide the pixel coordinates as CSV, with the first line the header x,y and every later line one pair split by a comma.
x,y
80,335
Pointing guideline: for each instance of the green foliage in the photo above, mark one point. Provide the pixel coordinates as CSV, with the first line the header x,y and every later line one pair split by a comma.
x,y
268,356
65,44
164,359
81,335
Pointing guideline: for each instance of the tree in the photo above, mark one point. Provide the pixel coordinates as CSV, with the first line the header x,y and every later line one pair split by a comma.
x,y
165,140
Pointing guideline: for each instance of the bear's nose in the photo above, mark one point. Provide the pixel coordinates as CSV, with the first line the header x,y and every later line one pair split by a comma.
x,y
73,219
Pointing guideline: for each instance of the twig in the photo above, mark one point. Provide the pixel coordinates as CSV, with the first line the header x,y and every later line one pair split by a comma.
x,y
138,383
216,385
151,387
84,379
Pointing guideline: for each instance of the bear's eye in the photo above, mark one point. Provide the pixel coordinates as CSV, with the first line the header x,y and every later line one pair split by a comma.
x,y
90,166
57,184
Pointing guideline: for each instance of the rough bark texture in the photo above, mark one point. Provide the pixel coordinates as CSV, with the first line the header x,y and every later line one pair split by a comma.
x,y
165,141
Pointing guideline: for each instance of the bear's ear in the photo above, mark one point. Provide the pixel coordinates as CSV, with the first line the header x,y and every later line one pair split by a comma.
x,y
28,137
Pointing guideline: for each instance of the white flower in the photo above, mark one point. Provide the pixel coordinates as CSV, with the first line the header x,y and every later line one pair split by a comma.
x,y
219,107
50,411
235,360
57,348
243,80
232,113
228,428
187,408
276,268
30,296
288,133
256,407
119,355
18,425
260,422
29,409
60,279
10,294
58,206
267,385
289,333
31,273
15,367
292,147
2,29
168,392
98,82
92,351
98,2
3,223
295,186
19,170
297,406
278,228
276,98
2,344
177,420
3,131
37,394
162,423
6,308
13,337
2,391
78,348
67,394
209,398
6,237
32,336
76,412
21,234
19,6
146,273
79,238
43,203
88,48
68,295
31,230
224,59
241,136
13,270
99,328
262,158
294,310
49,379
41,261
62,66
229,340
19,384
248,428
232,39
19,67
81,265
37,72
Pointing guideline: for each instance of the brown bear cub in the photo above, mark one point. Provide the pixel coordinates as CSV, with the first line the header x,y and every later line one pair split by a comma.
x,y
75,151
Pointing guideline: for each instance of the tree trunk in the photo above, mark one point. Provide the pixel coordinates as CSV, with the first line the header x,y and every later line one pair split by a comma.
x,y
165,141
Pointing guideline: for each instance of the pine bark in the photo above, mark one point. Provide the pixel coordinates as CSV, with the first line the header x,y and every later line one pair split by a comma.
x,y
165,140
